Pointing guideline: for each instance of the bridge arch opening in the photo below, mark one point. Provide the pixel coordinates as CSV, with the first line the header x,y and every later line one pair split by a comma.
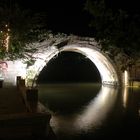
x,y
105,67
69,67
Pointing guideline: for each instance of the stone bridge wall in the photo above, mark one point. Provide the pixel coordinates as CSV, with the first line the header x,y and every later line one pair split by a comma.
x,y
46,51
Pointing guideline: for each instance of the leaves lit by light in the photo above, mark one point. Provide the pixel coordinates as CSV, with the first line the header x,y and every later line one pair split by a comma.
x,y
5,38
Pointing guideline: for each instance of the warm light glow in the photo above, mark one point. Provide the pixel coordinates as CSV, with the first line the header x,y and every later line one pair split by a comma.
x,y
5,37
126,78
14,69
7,43
125,97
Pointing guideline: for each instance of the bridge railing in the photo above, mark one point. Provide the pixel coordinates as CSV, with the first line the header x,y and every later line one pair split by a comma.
x,y
110,83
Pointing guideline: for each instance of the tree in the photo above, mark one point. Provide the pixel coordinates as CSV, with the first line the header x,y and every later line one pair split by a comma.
x,y
18,28
115,29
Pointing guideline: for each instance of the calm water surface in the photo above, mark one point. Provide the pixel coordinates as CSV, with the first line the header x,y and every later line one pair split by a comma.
x,y
91,111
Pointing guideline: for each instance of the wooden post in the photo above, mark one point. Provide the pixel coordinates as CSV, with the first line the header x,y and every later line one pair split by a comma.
x,y
1,83
18,81
32,99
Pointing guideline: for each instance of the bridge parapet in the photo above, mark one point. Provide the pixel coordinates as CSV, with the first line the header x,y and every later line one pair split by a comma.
x,y
110,83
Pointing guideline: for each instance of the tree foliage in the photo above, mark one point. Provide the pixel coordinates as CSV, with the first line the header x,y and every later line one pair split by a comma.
x,y
118,28
25,27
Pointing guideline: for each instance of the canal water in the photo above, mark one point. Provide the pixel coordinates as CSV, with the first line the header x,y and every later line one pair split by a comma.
x,y
89,111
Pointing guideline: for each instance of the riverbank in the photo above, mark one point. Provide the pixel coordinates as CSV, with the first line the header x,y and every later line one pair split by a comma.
x,y
134,83
17,122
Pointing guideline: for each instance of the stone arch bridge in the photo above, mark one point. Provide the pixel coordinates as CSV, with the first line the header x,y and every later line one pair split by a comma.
x,y
46,50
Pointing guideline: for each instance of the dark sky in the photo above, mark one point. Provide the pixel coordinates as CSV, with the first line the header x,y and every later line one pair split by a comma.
x,y
70,16
63,16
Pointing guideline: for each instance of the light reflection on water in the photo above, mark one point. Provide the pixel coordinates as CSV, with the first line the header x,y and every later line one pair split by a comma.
x,y
91,116
96,111
86,108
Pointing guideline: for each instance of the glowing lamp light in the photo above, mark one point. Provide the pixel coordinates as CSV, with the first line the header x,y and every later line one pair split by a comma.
x,y
7,43
125,78
5,37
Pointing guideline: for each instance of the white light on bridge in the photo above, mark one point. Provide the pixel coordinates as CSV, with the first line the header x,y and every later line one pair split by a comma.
x,y
106,69
104,66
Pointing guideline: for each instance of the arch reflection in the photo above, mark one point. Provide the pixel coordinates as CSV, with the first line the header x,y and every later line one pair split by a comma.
x,y
90,117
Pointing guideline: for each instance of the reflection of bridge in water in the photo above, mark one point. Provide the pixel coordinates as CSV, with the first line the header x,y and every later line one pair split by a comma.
x,y
90,117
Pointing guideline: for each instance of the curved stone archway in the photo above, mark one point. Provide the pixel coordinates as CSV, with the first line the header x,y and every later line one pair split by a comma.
x,y
45,52
104,66
107,71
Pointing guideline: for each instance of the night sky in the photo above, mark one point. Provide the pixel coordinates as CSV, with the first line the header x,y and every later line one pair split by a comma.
x,y
62,16
70,16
